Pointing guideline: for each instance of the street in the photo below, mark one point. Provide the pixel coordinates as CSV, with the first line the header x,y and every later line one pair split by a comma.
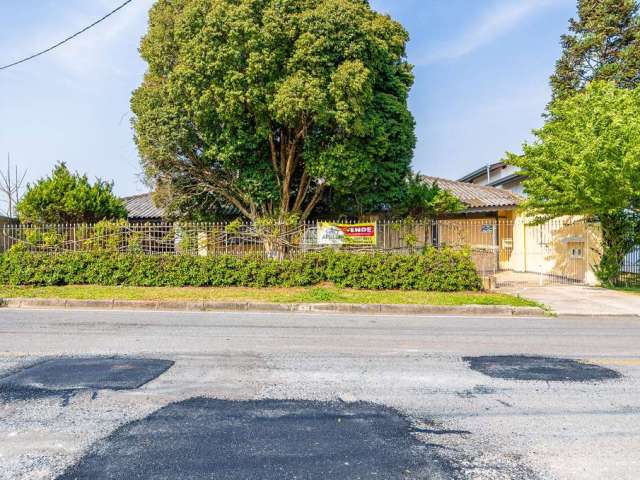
x,y
284,396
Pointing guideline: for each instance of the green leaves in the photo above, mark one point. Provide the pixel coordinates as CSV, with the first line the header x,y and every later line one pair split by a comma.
x,y
299,99
64,197
426,199
434,270
586,159
271,106
352,92
603,44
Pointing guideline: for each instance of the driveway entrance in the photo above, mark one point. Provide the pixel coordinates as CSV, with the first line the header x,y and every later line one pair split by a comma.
x,y
580,299
522,280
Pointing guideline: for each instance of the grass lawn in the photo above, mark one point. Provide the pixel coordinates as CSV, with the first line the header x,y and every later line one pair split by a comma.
x,y
629,289
319,294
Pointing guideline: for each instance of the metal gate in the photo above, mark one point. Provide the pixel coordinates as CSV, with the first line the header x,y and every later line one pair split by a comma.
x,y
558,252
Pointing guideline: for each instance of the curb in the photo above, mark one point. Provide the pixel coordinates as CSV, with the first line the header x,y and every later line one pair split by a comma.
x,y
209,306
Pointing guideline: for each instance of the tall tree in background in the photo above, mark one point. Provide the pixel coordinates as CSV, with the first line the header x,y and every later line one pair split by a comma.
x,y
603,44
585,160
65,197
267,105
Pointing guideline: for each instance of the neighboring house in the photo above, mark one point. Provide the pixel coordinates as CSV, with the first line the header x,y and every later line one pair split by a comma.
x,y
631,262
4,220
141,209
498,175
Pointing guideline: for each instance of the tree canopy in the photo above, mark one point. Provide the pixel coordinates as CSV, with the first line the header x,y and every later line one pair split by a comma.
x,y
64,197
603,44
586,161
268,105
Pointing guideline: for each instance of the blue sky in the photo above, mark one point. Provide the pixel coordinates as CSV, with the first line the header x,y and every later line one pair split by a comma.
x,y
482,69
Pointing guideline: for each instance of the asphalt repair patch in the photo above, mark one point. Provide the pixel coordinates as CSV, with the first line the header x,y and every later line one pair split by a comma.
x,y
63,377
204,438
548,369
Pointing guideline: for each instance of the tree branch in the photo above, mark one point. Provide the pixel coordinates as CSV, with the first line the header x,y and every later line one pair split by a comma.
x,y
317,196
218,185
274,158
302,191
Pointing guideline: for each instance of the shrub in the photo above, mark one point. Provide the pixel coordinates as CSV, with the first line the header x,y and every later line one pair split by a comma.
x,y
434,270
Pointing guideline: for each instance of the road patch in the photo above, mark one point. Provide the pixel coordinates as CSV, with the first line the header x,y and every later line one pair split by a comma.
x,y
65,376
548,369
203,438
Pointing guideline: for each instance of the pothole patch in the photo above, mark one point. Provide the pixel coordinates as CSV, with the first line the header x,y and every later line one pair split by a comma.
x,y
267,439
65,376
548,369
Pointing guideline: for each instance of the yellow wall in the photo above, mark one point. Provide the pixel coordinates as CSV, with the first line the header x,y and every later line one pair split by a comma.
x,y
566,247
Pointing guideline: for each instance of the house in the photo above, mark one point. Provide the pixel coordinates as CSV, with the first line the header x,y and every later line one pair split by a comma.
x,y
480,201
501,238
142,209
560,250
498,175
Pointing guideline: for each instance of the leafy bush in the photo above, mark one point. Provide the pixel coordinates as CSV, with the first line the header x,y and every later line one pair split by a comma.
x,y
434,270
65,197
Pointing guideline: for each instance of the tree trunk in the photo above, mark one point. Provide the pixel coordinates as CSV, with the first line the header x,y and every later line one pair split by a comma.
x,y
617,242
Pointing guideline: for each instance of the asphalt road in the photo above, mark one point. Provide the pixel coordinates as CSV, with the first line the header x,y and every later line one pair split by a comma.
x,y
259,396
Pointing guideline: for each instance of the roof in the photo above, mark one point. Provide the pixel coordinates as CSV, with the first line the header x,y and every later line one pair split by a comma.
x,y
507,179
481,171
476,197
142,207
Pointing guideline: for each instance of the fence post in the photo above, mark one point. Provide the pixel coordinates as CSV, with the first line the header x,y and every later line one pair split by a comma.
x,y
542,252
434,233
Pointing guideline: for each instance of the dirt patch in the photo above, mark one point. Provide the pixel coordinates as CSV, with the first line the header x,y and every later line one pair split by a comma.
x,y
268,439
63,377
549,369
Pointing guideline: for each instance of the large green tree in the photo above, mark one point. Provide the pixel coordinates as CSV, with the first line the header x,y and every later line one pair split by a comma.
x,y
586,161
603,44
65,197
268,105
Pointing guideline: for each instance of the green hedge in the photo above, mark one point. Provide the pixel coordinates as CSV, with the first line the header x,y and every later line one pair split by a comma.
x,y
433,270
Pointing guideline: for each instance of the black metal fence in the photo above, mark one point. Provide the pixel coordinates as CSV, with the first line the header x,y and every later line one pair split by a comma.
x,y
630,272
559,251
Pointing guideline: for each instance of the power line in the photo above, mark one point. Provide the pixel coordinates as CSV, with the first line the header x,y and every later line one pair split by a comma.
x,y
31,57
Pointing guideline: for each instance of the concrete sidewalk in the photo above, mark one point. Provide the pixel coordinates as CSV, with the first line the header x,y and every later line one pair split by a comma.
x,y
328,308
581,300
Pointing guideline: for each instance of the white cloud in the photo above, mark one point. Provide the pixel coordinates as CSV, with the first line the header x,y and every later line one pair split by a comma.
x,y
495,22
